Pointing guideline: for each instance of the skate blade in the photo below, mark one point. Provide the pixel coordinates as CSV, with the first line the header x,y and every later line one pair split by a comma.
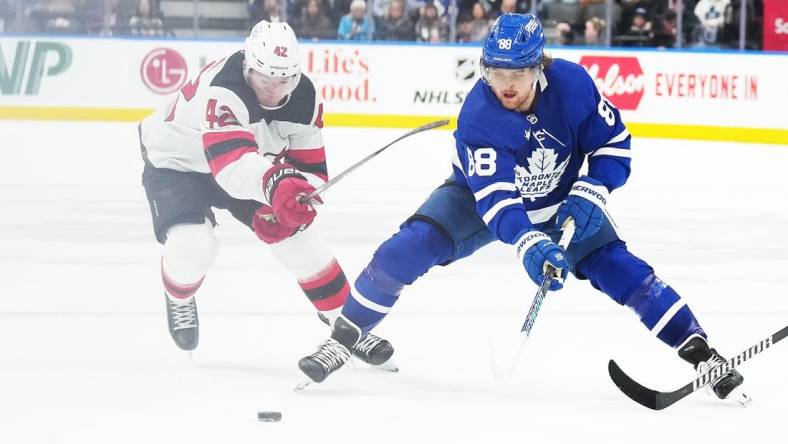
x,y
302,384
738,396
387,366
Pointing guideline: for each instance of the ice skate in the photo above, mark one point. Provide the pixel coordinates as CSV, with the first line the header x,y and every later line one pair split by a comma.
x,y
696,351
372,350
183,323
328,358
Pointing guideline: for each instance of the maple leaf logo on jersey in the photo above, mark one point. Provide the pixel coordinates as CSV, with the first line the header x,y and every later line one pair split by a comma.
x,y
541,176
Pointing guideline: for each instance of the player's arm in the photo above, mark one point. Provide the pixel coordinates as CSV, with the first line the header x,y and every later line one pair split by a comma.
x,y
490,176
606,141
231,148
604,138
489,173
306,151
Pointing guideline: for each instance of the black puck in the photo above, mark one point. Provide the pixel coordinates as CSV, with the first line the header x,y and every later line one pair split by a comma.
x,y
269,416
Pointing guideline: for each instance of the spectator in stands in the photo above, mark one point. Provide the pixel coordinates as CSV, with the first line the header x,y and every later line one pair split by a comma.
x,y
55,16
269,10
356,25
464,29
396,24
664,30
147,19
566,36
6,14
639,32
313,23
508,6
480,24
710,13
754,23
430,27
593,32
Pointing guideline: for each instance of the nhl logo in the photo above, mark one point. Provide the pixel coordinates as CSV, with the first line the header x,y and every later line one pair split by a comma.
x,y
465,69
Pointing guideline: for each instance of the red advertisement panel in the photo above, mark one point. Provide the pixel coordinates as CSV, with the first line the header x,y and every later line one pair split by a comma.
x,y
775,25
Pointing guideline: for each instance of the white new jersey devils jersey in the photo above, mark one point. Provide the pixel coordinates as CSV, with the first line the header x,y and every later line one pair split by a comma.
x,y
216,125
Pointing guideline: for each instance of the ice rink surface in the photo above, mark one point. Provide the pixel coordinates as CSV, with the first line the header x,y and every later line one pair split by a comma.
x,y
85,356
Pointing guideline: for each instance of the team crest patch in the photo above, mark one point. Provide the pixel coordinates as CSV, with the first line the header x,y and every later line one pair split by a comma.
x,y
542,174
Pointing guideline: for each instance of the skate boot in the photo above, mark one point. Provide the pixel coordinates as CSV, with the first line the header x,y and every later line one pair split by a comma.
x,y
372,350
183,322
330,357
696,351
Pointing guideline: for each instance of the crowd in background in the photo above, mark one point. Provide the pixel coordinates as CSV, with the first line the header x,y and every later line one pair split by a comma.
x,y
647,23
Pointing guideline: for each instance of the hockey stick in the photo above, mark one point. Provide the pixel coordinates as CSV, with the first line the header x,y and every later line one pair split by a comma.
x,y
568,229
659,400
366,159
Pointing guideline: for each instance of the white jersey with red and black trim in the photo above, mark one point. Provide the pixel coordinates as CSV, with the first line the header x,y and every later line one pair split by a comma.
x,y
216,125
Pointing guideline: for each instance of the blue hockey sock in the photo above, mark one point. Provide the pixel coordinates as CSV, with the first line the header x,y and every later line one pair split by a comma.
x,y
399,261
630,281
663,312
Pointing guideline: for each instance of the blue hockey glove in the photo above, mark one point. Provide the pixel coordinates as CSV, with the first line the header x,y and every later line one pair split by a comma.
x,y
586,205
537,251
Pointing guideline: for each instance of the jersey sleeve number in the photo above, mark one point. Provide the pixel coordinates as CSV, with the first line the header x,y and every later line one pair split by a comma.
x,y
605,109
481,162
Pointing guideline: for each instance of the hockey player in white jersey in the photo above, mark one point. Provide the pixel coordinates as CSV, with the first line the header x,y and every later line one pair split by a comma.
x,y
243,135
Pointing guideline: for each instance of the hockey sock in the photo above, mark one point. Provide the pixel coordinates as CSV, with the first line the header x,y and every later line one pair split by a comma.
x,y
663,312
327,290
307,256
189,252
630,281
399,261
178,292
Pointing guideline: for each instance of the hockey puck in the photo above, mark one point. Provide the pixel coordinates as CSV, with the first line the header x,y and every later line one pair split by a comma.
x,y
269,416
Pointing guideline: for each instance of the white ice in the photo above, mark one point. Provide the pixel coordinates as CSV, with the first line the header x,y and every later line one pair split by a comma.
x,y
85,356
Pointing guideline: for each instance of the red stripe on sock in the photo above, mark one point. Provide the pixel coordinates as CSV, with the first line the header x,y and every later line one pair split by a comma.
x,y
179,291
335,301
324,277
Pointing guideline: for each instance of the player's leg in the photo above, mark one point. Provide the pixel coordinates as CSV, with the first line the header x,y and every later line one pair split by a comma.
x,y
444,229
630,281
183,223
307,256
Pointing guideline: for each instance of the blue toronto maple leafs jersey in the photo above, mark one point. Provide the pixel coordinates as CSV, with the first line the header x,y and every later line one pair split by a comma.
x,y
520,166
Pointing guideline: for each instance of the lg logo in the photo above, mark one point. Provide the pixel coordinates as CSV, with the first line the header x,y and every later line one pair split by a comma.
x,y
780,26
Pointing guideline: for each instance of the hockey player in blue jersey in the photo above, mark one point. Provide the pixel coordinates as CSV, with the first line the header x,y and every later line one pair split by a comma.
x,y
523,134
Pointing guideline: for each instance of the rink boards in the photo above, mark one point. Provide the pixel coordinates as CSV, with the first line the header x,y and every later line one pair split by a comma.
x,y
735,96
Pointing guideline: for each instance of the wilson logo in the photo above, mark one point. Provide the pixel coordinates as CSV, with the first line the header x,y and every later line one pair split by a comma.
x,y
620,79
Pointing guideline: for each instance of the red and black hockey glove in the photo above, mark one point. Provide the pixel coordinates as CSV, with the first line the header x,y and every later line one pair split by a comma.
x,y
282,186
267,228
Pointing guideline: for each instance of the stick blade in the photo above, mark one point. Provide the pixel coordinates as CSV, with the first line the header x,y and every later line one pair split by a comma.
x,y
636,392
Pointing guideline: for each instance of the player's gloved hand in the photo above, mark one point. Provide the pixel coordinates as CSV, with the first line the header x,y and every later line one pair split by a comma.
x,y
586,205
267,228
282,186
537,252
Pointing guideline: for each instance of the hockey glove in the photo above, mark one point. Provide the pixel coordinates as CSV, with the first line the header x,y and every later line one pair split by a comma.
x,y
267,228
586,205
282,186
537,251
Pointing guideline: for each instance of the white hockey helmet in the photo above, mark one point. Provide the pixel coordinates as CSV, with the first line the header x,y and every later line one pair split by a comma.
x,y
272,50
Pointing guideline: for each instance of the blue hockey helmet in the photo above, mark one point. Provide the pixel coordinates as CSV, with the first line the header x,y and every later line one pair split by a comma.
x,y
515,41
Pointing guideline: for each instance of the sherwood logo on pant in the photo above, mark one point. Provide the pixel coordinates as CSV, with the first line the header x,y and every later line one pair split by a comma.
x,y
45,59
